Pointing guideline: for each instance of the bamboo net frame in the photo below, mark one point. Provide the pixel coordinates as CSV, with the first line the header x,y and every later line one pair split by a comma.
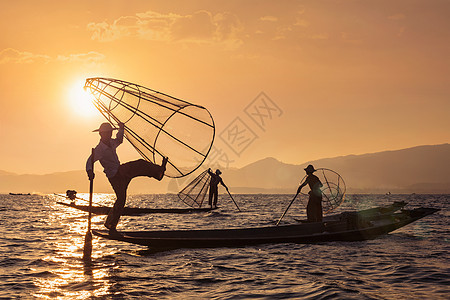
x,y
156,124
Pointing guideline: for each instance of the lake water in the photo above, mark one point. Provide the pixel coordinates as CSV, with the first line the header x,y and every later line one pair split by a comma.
x,y
41,245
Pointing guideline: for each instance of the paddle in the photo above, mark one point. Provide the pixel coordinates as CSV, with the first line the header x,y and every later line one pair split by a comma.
x,y
87,251
287,208
233,199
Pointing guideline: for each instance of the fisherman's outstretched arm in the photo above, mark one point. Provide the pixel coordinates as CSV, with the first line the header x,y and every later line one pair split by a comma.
x,y
89,163
120,132
302,185
89,171
221,182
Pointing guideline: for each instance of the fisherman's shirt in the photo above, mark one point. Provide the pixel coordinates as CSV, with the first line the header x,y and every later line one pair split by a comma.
x,y
107,155
314,184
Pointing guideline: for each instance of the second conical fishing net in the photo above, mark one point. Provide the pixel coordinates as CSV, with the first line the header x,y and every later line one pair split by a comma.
x,y
195,192
156,124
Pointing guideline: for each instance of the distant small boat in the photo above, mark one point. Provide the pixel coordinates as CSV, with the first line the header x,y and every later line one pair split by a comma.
x,y
347,226
136,211
20,194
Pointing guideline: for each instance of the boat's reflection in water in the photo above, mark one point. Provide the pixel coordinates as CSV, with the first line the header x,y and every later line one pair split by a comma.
x,y
70,275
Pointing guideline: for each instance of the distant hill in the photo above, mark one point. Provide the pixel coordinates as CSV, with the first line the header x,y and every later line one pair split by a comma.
x,y
422,169
75,180
48,183
3,173
264,175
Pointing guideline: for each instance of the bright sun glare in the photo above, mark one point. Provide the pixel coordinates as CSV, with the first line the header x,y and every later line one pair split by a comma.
x,y
80,100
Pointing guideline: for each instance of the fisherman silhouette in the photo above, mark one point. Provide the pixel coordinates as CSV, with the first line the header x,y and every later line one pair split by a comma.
x,y
213,187
72,195
314,207
119,175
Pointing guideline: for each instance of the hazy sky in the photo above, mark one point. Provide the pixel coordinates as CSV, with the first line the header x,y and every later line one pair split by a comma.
x,y
343,77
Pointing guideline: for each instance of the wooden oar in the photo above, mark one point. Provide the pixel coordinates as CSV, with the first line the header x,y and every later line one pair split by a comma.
x,y
233,199
87,251
287,208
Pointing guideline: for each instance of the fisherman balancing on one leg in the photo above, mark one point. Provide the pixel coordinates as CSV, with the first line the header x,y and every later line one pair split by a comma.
x,y
314,207
213,187
119,175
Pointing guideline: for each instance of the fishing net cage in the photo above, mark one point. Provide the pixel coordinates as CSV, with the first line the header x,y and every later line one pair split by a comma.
x,y
194,193
333,190
156,124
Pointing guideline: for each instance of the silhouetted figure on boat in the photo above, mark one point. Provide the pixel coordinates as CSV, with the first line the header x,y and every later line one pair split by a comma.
x,y
314,207
72,195
213,187
119,175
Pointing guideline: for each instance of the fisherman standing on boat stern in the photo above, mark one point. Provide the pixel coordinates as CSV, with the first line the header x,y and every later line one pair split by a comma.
x,y
213,187
314,207
119,175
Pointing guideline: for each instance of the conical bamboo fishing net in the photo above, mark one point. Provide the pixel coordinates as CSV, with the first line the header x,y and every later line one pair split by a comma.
x,y
156,124
194,193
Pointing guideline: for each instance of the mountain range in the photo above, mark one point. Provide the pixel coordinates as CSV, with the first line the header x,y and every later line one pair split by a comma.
x,y
421,169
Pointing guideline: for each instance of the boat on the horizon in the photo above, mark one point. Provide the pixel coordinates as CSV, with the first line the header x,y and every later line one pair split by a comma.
x,y
346,226
20,194
136,211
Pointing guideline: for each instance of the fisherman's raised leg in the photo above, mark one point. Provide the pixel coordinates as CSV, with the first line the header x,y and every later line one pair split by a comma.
x,y
142,167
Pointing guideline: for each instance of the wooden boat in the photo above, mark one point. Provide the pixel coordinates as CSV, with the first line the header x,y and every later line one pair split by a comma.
x,y
347,226
368,213
136,211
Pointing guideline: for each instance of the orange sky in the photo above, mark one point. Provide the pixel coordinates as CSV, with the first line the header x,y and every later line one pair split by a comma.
x,y
349,77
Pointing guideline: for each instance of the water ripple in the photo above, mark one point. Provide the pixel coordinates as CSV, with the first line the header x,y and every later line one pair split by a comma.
x,y
41,246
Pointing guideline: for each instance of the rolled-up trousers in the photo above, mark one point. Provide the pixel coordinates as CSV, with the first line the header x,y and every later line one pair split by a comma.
x,y
121,180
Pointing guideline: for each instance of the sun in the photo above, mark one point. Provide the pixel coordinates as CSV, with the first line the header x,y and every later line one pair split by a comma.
x,y
80,100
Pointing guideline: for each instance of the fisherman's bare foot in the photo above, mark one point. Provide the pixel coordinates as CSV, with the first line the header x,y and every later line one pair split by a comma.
x,y
164,162
163,168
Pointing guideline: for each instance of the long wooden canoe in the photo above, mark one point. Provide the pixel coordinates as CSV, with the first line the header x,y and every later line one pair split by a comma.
x,y
350,226
136,211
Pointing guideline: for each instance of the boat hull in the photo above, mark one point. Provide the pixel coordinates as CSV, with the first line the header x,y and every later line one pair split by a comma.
x,y
136,211
350,227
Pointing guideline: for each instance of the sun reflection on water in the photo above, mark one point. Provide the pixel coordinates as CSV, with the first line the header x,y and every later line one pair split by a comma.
x,y
72,278
75,283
